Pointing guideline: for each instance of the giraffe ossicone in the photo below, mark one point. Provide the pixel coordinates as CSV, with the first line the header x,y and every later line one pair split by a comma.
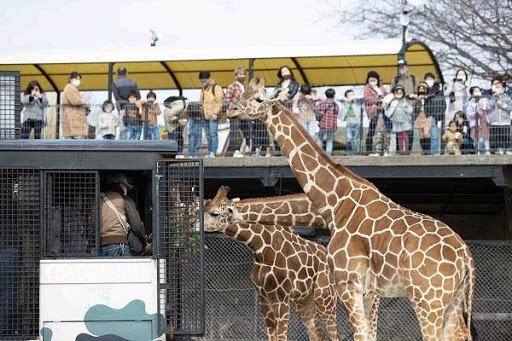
x,y
377,247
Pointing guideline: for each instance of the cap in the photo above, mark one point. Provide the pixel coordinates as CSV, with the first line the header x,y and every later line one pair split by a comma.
x,y
398,87
401,62
118,178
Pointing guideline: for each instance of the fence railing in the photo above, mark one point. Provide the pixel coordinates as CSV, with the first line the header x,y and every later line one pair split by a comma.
x,y
362,127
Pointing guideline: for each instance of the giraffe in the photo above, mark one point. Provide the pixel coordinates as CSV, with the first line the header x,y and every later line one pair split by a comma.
x,y
377,247
287,269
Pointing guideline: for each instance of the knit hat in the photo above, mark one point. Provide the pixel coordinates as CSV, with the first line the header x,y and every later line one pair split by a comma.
x,y
423,84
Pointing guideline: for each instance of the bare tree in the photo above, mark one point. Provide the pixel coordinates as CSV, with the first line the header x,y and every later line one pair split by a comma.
x,y
473,34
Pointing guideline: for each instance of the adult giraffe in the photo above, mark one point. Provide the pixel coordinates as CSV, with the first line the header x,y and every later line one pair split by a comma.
x,y
287,268
377,247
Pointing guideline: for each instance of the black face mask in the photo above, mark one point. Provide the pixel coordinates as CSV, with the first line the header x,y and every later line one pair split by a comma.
x,y
422,93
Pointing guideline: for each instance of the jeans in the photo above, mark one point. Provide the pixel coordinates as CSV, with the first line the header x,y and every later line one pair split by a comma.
x,y
329,137
133,132
9,269
211,129
196,130
109,137
310,127
153,132
352,138
115,250
434,138
28,125
177,135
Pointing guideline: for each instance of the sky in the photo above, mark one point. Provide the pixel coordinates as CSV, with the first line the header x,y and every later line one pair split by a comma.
x,y
32,25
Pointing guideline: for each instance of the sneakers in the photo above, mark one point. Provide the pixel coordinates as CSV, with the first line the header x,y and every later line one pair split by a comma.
x,y
210,155
180,156
268,155
237,153
387,154
374,154
256,155
508,152
500,152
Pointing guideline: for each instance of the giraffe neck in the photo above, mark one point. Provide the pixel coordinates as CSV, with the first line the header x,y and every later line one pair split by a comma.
x,y
249,234
323,181
286,210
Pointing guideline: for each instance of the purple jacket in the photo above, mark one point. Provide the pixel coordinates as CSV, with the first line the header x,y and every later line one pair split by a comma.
x,y
471,110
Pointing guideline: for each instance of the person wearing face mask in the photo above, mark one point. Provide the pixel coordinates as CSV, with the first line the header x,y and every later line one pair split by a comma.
x,y
404,77
457,95
34,102
351,113
237,127
399,110
478,113
500,104
74,110
422,117
287,81
211,98
373,93
437,109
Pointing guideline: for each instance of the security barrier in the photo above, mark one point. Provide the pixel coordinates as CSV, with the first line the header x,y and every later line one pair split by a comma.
x,y
233,313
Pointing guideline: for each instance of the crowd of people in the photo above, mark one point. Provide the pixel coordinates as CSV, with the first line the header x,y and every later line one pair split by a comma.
x,y
386,120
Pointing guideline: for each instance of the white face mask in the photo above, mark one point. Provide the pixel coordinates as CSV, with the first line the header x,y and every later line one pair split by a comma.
x,y
498,91
430,83
75,82
373,83
493,88
477,94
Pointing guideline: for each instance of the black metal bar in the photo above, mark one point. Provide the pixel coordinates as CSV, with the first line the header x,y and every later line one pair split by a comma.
x,y
110,80
251,68
173,76
301,71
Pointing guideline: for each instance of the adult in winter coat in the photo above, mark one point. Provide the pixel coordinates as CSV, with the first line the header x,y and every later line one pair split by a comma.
x,y
74,109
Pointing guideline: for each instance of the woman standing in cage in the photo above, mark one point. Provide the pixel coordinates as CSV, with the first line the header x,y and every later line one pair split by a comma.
x,y
34,102
119,215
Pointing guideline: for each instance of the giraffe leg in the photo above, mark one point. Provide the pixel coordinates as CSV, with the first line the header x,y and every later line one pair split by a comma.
x,y
354,306
268,317
371,309
282,315
430,316
454,323
325,300
307,311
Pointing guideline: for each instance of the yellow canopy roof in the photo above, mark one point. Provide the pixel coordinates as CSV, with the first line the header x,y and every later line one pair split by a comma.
x,y
162,68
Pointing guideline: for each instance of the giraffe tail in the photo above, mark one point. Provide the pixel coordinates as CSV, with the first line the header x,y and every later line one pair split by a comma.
x,y
468,294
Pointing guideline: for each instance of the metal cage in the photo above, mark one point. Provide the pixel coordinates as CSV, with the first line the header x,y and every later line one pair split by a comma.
x,y
10,106
180,246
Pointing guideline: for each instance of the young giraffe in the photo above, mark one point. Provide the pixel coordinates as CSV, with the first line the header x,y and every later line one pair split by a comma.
x,y
377,247
287,269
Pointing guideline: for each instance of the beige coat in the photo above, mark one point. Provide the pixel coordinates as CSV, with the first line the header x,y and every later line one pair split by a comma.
x,y
211,99
74,123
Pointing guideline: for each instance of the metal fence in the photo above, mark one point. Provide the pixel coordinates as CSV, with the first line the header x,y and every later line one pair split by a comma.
x,y
180,252
10,105
363,127
232,305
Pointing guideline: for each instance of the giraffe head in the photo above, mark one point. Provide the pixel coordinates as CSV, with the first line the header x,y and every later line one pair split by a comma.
x,y
219,212
256,102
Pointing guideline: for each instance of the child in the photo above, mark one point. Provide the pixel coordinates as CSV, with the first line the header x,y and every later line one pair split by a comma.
x,y
463,127
153,110
132,117
351,114
304,108
453,139
399,111
175,117
500,104
108,122
477,111
327,111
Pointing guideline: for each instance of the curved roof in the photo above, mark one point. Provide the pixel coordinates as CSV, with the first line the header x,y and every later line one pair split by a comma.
x,y
164,68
